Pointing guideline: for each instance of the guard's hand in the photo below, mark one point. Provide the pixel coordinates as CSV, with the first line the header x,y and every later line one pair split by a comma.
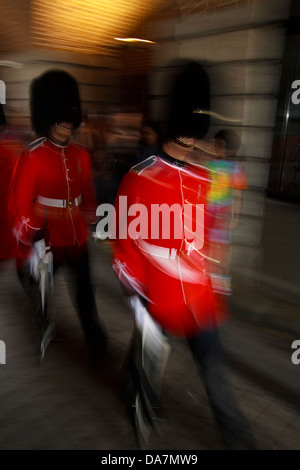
x,y
40,256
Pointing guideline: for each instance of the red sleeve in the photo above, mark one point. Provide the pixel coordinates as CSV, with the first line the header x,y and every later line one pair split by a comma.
x,y
23,192
127,261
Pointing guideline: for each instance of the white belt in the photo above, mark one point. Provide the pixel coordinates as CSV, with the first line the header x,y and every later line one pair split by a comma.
x,y
63,203
159,251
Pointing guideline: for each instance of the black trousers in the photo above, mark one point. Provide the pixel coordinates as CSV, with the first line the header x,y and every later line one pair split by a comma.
x,y
76,260
207,352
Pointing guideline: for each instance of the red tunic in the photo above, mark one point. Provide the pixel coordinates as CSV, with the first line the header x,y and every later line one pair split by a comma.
x,y
8,246
48,176
170,272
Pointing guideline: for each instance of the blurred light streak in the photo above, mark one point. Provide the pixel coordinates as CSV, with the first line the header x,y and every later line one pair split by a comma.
x,y
87,26
135,40
216,115
10,63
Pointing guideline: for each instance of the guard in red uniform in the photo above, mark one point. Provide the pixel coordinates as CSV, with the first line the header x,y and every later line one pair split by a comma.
x,y
167,251
8,245
53,199
161,263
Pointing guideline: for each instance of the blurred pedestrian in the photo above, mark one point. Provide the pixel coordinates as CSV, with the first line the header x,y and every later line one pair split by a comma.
x,y
224,204
150,141
163,267
53,201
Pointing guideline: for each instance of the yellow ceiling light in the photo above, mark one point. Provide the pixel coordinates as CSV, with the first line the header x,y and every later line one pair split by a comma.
x,y
87,25
135,40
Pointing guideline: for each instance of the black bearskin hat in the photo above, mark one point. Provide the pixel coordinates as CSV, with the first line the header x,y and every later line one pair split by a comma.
x,y
189,91
2,116
54,97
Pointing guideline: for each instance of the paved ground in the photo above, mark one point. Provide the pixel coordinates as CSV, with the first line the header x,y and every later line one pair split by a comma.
x,y
68,404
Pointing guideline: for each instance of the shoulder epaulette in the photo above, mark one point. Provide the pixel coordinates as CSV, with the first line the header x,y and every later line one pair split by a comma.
x,y
36,143
139,167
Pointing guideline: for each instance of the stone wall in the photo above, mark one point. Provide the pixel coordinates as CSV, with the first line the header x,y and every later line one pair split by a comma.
x,y
242,48
98,79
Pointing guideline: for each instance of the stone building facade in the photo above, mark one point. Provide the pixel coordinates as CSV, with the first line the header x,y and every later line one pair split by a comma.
x,y
243,45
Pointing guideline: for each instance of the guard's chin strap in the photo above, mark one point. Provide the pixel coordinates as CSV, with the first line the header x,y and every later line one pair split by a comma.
x,y
181,142
57,143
